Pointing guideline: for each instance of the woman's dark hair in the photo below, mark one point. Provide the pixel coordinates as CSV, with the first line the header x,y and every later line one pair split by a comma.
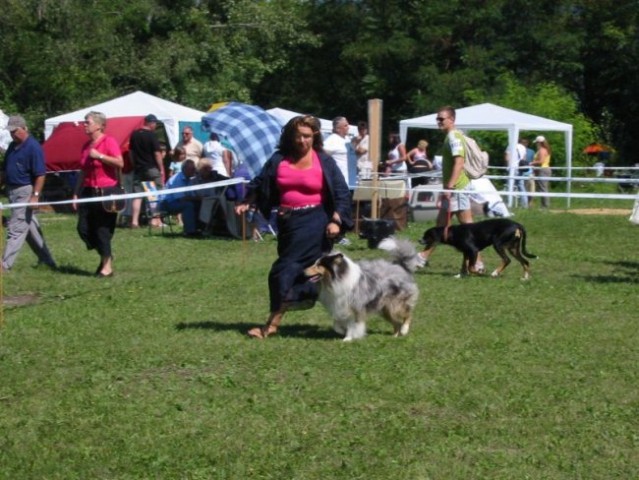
x,y
287,139
394,140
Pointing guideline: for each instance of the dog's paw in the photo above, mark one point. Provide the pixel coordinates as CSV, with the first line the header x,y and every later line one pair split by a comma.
x,y
495,274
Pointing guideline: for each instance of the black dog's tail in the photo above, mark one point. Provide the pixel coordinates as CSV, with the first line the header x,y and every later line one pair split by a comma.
x,y
403,253
523,243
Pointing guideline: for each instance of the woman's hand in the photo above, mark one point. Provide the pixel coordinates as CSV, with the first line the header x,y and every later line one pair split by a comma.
x,y
74,205
332,229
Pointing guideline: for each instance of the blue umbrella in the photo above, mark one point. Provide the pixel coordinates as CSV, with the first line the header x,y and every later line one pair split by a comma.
x,y
252,132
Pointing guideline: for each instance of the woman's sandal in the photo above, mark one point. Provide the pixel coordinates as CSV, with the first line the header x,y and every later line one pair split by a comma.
x,y
262,332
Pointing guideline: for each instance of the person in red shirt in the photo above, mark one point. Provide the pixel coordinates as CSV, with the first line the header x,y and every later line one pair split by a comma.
x,y
100,162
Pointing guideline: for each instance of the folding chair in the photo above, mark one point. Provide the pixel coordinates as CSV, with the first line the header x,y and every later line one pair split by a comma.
x,y
152,208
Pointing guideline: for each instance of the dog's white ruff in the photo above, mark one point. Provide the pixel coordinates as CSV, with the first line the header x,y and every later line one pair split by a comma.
x,y
336,297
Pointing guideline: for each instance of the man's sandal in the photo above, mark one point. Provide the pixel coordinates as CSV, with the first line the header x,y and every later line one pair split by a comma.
x,y
262,332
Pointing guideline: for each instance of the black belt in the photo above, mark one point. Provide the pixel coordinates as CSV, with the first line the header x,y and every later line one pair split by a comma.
x,y
288,211
91,192
297,209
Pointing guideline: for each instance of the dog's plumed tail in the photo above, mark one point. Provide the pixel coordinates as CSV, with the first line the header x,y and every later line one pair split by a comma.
x,y
402,252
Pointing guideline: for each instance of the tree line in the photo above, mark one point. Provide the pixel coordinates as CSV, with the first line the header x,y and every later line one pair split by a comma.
x,y
572,61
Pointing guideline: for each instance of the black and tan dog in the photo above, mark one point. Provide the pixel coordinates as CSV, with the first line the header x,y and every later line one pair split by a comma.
x,y
471,238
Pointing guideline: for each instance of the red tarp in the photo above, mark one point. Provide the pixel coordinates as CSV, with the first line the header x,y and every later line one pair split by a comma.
x,y
62,148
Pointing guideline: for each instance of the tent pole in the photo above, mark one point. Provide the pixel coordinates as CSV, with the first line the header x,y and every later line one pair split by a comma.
x,y
513,140
568,137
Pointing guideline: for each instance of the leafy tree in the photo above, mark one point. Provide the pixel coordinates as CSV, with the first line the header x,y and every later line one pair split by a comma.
x,y
611,62
329,57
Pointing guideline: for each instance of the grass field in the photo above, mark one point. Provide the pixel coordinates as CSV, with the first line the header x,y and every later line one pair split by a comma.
x,y
149,374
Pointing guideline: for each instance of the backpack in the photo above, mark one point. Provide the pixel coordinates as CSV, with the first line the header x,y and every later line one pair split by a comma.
x,y
476,160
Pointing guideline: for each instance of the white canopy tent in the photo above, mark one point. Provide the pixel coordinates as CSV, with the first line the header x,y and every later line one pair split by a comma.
x,y
132,105
282,116
487,116
5,136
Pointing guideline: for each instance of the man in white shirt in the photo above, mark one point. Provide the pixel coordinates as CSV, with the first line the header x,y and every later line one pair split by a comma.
x,y
335,145
514,171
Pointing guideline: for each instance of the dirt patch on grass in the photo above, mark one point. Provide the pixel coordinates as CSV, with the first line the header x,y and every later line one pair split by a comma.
x,y
596,211
19,300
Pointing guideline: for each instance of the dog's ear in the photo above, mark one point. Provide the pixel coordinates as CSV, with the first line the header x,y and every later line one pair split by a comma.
x,y
338,265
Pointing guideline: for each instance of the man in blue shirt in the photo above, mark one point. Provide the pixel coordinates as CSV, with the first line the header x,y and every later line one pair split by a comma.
x,y
181,202
23,175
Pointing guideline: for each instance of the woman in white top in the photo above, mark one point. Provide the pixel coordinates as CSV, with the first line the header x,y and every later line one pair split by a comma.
x,y
218,155
396,160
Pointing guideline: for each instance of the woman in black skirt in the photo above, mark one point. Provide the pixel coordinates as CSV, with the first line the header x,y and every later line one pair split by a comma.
x,y
314,206
100,162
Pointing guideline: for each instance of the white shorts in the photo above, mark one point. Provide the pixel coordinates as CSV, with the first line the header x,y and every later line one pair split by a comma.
x,y
458,202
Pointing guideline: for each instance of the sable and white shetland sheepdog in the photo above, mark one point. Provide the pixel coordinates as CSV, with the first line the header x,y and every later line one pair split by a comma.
x,y
351,291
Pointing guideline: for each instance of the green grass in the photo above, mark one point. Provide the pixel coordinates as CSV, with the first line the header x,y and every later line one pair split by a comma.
x,y
149,374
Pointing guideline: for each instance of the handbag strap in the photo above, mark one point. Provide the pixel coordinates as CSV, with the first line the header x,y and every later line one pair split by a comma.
x,y
118,175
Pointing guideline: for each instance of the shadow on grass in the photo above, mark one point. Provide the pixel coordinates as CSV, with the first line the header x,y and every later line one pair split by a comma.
x,y
628,273
295,331
428,272
71,270
609,279
634,266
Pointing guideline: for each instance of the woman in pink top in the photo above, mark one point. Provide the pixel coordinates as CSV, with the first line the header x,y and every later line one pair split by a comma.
x,y
314,207
100,162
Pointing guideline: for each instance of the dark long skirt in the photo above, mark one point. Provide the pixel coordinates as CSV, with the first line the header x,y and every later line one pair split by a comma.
x,y
301,241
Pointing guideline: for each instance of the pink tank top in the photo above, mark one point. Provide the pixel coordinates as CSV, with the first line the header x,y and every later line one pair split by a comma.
x,y
299,188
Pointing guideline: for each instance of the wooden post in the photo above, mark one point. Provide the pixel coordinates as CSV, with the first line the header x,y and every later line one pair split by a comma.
x,y
374,148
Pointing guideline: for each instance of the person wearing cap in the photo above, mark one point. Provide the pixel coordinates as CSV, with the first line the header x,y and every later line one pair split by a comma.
x,y
542,163
146,157
23,175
